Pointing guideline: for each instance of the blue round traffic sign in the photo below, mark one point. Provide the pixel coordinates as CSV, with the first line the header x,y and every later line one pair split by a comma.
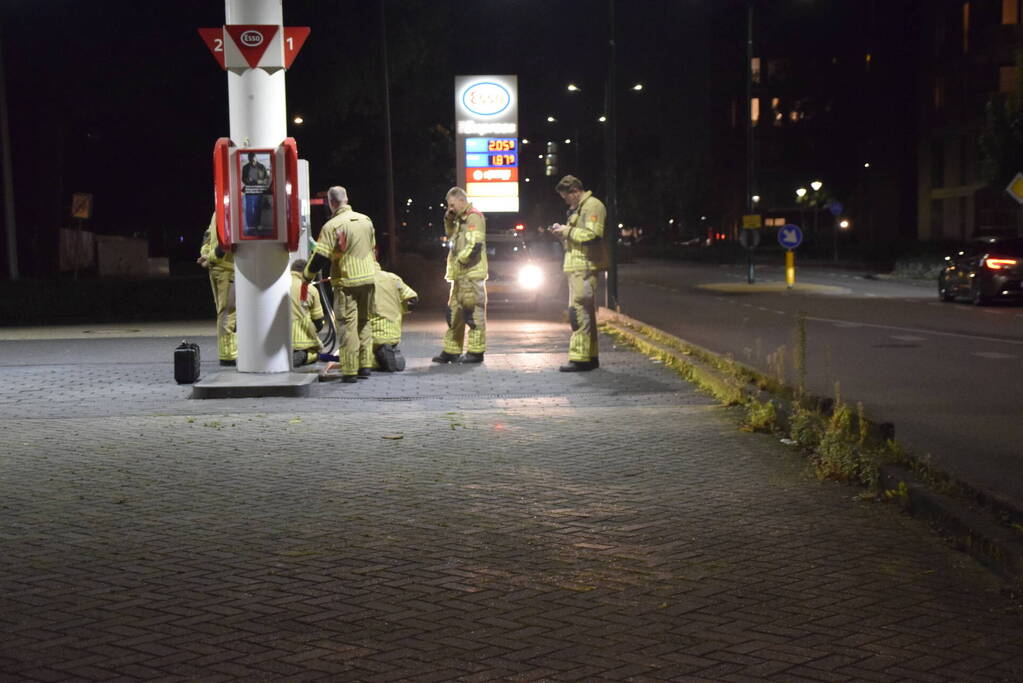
x,y
790,236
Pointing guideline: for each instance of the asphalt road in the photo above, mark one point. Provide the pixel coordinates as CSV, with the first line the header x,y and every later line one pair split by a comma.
x,y
948,375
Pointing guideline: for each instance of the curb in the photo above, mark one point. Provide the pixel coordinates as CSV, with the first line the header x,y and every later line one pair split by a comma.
x,y
976,521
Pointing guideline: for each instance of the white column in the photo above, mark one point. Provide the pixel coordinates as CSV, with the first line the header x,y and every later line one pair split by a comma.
x,y
262,283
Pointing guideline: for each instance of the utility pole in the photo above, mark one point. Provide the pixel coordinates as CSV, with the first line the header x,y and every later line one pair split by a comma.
x,y
750,272
611,162
392,231
5,142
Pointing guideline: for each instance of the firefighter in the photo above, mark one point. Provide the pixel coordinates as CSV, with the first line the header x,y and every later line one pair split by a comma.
x,y
466,230
392,299
347,243
221,266
306,317
585,256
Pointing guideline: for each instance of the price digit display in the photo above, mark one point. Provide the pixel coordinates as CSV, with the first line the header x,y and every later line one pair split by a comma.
x,y
502,160
498,145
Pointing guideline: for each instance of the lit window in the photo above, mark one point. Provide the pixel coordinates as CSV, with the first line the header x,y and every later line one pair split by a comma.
x,y
754,67
1008,79
754,110
966,28
1010,12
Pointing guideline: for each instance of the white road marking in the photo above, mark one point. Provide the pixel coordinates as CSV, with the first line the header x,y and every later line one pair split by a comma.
x,y
908,338
957,335
993,355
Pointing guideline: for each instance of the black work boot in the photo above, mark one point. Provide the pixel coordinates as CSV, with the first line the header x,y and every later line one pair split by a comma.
x,y
580,365
349,379
364,373
445,357
470,357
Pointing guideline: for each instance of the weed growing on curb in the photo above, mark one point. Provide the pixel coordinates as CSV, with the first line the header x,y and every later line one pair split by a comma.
x,y
799,353
761,417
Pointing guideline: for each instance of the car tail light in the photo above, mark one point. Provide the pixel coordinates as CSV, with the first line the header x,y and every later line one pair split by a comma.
x,y
996,263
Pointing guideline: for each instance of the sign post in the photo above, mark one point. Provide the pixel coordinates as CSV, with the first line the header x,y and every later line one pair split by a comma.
x,y
257,191
789,237
1015,190
749,238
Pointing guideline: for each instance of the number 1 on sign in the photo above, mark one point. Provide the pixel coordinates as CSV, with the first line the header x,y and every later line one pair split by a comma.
x,y
291,43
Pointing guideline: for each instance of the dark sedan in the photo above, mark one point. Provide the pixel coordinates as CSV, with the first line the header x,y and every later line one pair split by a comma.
x,y
989,269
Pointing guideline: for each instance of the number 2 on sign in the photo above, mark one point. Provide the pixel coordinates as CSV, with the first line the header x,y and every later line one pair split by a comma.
x,y
219,43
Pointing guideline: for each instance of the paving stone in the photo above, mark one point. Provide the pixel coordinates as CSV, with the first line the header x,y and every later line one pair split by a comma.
x,y
526,525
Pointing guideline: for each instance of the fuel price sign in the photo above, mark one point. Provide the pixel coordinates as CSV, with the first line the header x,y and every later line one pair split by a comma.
x,y
487,144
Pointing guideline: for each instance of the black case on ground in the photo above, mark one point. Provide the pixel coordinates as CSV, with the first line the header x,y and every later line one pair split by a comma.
x,y
186,363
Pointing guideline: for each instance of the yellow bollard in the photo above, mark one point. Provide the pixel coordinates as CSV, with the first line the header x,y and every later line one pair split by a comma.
x,y
790,268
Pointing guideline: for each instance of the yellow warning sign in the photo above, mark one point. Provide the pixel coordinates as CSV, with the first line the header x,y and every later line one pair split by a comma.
x,y
81,205
752,221
1015,188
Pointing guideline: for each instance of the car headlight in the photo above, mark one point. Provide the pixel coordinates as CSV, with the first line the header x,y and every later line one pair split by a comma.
x,y
530,277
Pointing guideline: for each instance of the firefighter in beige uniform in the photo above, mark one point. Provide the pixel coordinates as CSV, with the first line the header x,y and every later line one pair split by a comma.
x,y
220,263
347,242
585,256
392,299
467,272
306,317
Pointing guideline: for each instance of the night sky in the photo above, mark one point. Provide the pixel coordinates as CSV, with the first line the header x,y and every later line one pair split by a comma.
x,y
123,100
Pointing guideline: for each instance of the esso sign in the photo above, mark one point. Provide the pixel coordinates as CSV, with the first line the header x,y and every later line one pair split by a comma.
x,y
486,99
252,38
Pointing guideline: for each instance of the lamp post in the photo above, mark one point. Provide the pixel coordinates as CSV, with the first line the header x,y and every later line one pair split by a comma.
x,y
816,185
800,195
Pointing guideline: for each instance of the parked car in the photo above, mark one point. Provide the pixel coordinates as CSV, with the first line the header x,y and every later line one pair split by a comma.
x,y
514,276
987,270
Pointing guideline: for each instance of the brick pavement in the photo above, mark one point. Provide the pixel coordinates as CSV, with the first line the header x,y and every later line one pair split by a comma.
x,y
502,522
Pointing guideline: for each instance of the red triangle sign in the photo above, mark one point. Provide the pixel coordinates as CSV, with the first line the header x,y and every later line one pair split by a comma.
x,y
252,40
214,39
294,39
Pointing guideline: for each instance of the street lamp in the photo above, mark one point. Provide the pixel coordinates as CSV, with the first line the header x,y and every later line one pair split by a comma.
x,y
572,87
816,185
756,199
298,120
637,87
551,119
801,192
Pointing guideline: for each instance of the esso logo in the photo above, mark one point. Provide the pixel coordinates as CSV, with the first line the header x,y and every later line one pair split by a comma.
x,y
477,175
252,38
486,99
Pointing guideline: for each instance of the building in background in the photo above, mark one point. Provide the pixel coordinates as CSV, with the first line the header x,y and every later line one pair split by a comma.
x,y
833,100
969,58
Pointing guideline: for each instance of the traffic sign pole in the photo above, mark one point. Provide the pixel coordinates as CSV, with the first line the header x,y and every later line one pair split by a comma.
x,y
790,236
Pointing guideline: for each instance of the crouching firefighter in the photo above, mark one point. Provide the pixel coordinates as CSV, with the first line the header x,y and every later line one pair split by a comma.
x,y
392,299
466,230
306,317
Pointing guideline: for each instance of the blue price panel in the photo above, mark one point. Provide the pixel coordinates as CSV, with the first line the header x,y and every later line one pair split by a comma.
x,y
492,145
477,160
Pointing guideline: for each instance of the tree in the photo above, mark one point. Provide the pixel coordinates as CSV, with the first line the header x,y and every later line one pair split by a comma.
x,y
1001,139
